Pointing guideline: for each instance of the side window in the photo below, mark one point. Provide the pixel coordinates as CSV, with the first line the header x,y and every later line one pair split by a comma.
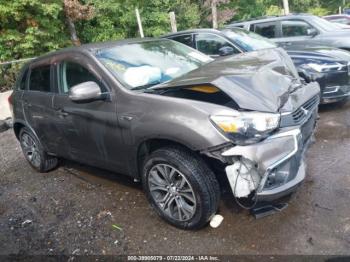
x,y
39,79
210,44
292,28
72,74
185,39
22,83
266,29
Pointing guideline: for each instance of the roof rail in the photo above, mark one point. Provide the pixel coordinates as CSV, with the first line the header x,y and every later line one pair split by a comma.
x,y
255,18
266,17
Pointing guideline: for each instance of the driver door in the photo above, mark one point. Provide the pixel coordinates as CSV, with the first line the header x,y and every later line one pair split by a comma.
x,y
295,32
88,130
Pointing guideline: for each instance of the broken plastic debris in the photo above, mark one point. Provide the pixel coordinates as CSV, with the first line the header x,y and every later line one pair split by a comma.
x,y
216,221
266,210
27,222
243,177
76,251
117,227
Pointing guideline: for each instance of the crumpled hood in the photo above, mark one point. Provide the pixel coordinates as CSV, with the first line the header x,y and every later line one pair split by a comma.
x,y
258,80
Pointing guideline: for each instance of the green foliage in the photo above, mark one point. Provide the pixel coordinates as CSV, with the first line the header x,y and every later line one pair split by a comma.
x,y
114,19
30,27
319,11
273,10
33,27
8,74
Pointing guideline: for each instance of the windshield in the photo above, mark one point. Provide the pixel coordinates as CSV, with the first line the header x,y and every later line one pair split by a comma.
x,y
323,24
143,64
248,41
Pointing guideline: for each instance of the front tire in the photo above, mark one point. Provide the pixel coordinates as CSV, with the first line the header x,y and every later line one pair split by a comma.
x,y
180,187
34,153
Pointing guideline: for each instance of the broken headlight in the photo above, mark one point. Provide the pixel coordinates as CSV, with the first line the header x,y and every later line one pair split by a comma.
x,y
247,127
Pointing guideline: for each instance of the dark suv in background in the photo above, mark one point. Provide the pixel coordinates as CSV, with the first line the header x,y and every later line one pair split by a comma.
x,y
302,29
330,67
172,117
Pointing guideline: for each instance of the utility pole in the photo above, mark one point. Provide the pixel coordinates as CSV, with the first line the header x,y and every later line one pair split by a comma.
x,y
173,22
286,7
139,22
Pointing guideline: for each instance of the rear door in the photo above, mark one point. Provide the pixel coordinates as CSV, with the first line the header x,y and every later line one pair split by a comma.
x,y
37,102
89,130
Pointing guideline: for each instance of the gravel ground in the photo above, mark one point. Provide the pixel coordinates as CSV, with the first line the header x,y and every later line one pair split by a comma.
x,y
77,209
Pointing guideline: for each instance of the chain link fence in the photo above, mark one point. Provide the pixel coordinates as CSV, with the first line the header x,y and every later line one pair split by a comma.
x,y
8,73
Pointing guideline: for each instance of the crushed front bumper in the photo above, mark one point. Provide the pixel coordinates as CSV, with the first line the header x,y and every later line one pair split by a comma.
x,y
278,159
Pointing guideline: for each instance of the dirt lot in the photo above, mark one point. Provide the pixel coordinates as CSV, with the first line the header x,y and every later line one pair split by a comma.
x,y
81,210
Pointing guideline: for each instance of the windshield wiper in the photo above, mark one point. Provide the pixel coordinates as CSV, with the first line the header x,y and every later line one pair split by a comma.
x,y
143,87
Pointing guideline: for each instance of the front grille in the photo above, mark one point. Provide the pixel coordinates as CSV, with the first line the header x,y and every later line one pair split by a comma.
x,y
300,115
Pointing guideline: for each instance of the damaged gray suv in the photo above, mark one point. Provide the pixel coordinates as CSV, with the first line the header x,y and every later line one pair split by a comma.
x,y
167,115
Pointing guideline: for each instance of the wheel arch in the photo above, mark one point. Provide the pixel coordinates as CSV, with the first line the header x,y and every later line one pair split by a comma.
x,y
18,125
149,145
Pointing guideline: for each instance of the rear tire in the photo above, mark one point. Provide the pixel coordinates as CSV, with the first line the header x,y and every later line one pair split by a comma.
x,y
180,187
34,153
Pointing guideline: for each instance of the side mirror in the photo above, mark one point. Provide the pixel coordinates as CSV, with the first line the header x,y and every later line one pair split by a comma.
x,y
85,91
226,50
311,32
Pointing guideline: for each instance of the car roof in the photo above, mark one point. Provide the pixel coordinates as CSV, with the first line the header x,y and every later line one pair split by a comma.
x,y
339,15
270,18
189,31
92,47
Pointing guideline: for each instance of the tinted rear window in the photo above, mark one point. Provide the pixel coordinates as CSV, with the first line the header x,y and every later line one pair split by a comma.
x,y
266,29
40,79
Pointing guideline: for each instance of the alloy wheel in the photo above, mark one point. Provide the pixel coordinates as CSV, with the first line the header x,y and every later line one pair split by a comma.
x,y
172,192
30,149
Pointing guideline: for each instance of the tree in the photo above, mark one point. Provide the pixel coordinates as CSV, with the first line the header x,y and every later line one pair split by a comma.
x,y
30,27
114,19
75,11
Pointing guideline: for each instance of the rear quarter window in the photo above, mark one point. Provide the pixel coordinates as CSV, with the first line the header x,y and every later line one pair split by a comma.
x,y
21,84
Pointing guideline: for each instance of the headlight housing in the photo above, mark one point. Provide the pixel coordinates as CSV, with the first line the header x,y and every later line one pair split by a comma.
x,y
246,127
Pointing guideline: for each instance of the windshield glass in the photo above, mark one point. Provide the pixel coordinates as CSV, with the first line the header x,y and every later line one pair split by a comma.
x,y
323,24
143,64
248,41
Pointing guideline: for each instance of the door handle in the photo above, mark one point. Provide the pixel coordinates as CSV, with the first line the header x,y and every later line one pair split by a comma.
x,y
61,112
126,117
26,103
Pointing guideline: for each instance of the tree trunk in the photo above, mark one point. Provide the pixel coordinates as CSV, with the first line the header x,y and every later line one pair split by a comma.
x,y
286,7
173,22
73,32
214,14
